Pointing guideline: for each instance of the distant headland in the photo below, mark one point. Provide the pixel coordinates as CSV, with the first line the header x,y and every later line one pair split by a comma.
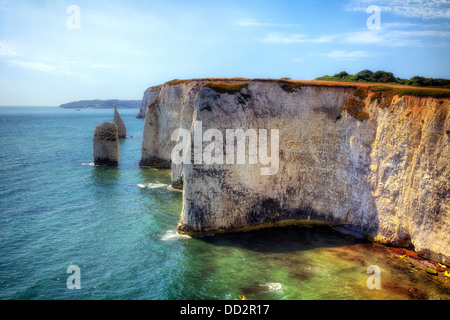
x,y
101,104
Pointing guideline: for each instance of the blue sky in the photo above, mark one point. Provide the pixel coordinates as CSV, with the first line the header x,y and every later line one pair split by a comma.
x,y
123,47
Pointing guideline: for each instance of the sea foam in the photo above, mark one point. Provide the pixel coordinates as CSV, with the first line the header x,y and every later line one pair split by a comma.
x,y
271,287
152,185
172,235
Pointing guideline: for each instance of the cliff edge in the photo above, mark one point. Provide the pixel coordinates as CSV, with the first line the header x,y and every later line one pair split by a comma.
x,y
372,158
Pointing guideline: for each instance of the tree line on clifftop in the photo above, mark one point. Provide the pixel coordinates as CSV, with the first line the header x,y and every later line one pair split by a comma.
x,y
387,77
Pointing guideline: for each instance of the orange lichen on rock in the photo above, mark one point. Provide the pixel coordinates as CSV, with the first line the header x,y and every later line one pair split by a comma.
x,y
403,251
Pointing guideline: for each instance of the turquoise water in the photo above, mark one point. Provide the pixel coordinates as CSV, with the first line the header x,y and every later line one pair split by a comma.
x,y
118,225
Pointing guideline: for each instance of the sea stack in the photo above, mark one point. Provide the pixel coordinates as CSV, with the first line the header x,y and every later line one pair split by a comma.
x,y
106,144
120,124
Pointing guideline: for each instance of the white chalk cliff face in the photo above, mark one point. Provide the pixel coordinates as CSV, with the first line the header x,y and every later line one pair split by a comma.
x,y
149,96
387,176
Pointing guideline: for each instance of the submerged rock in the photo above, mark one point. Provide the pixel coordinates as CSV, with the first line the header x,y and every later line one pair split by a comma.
x,y
106,144
120,124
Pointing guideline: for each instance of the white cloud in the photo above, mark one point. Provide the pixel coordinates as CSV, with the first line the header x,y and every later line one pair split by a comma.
x,y
6,50
390,25
101,66
394,38
347,55
37,66
424,9
42,67
384,37
277,37
363,37
253,23
423,33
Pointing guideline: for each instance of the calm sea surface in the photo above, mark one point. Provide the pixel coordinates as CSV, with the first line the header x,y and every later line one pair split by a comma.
x,y
118,226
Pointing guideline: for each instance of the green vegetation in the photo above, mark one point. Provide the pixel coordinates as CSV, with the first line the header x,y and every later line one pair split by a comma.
x,y
383,95
422,93
223,87
431,271
380,90
178,81
355,108
355,105
387,77
290,86
361,93
174,82
425,82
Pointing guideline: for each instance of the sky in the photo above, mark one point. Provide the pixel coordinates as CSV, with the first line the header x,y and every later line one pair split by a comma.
x,y
53,52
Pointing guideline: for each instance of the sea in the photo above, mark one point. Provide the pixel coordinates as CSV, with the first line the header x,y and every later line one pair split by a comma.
x,y
70,230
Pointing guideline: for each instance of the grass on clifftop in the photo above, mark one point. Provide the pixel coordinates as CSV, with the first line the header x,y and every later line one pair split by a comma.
x,y
177,81
385,94
232,85
223,87
292,85
422,93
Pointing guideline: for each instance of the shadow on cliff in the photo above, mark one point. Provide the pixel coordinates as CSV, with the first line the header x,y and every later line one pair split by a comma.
x,y
282,240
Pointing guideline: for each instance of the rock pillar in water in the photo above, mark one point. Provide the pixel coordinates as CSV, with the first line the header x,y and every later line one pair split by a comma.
x,y
120,124
106,144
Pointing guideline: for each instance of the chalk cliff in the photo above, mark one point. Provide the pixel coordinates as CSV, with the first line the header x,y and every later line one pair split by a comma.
x,y
122,130
371,159
106,144
149,96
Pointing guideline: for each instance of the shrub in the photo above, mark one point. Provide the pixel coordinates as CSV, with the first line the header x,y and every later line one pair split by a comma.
x,y
354,107
365,75
383,76
388,77
341,74
378,95
361,93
